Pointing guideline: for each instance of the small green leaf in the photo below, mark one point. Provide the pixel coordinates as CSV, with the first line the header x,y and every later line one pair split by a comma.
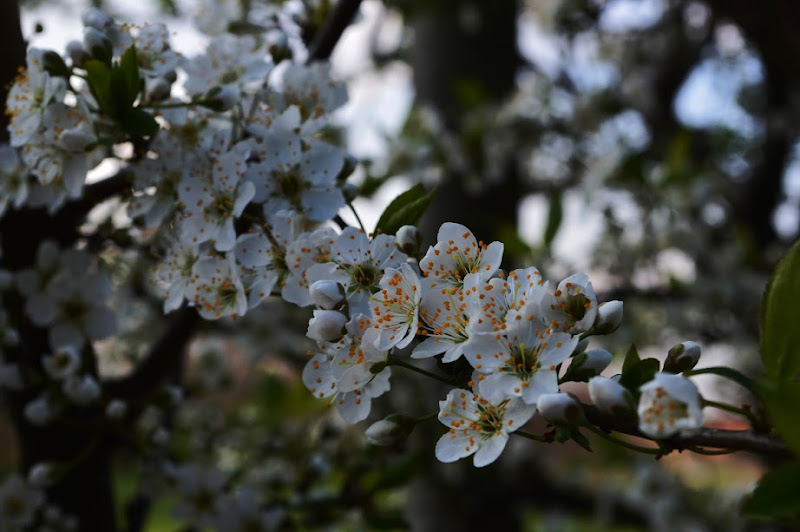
x,y
639,373
782,401
631,358
405,209
99,78
125,81
555,215
780,315
777,493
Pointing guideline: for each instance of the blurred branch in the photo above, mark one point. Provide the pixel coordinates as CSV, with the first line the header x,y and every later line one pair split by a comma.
x,y
324,42
165,357
739,440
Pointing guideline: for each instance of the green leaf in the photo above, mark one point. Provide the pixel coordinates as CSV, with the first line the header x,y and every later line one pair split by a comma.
x,y
780,316
406,209
777,493
782,401
125,81
139,123
555,215
638,373
631,358
99,78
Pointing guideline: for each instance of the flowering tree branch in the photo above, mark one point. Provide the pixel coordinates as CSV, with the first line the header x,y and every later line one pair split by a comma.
x,y
740,440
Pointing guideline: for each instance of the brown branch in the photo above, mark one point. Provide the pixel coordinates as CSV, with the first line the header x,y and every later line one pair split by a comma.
x,y
163,360
739,440
324,42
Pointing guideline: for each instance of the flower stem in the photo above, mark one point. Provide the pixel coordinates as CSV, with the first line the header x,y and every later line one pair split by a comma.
x,y
534,437
623,443
403,364
735,410
358,218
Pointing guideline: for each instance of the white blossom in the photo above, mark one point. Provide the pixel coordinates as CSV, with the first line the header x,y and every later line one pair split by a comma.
x,y
668,405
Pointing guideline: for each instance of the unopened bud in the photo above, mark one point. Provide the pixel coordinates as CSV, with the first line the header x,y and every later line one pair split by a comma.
x,y
597,360
157,89
96,18
278,46
327,294
682,357
409,239
39,412
42,474
81,389
75,139
392,430
610,396
559,408
609,317
97,44
115,409
350,191
221,98
170,75
326,325
581,347
588,364
77,53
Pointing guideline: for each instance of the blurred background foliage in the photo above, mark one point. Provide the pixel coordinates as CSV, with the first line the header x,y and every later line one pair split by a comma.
x,y
651,143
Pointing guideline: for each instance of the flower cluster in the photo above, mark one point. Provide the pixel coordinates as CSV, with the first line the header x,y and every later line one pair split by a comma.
x,y
235,186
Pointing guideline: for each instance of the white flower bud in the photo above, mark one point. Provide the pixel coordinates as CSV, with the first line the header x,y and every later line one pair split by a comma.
x,y
160,437
174,394
326,325
94,39
408,239
41,475
394,429
96,18
81,389
610,396
559,408
77,53
668,405
588,364
222,98
597,360
682,357
581,347
327,294
157,89
609,317
350,191
39,412
115,409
